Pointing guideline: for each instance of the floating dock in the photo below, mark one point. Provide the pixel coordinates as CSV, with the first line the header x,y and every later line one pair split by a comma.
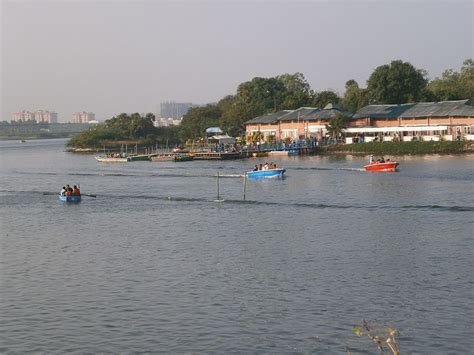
x,y
217,156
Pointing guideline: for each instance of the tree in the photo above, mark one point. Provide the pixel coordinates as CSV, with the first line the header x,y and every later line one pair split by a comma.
x,y
325,97
297,91
125,127
197,119
454,85
396,83
336,125
263,95
354,97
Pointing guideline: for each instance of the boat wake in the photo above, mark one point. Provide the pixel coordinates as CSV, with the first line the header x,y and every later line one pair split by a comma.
x,y
441,208
323,168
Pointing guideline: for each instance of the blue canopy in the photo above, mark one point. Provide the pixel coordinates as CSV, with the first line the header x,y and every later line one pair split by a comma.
x,y
213,130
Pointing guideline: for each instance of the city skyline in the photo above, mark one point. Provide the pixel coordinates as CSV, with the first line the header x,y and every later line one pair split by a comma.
x,y
188,58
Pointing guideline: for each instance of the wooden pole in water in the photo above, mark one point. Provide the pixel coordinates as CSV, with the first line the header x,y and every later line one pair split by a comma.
x,y
218,188
245,184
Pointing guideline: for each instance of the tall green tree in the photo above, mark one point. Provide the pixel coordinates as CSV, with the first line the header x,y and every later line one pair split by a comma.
x,y
197,119
354,97
396,83
325,97
263,95
454,85
297,91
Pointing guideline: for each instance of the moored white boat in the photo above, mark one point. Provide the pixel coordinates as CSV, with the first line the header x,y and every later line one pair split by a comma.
x,y
278,152
108,159
163,157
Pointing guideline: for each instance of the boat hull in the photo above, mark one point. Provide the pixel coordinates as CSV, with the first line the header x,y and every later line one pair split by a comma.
x,y
266,173
70,198
183,157
111,160
383,167
278,152
139,158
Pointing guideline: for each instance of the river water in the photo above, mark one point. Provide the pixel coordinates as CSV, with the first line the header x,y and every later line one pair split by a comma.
x,y
155,264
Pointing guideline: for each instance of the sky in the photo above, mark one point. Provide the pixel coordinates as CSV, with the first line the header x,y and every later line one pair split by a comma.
x,y
112,56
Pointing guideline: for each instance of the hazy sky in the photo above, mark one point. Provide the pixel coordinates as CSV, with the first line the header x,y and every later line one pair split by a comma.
x,y
128,56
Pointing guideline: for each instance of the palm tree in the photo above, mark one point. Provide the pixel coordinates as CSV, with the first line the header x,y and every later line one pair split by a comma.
x,y
336,125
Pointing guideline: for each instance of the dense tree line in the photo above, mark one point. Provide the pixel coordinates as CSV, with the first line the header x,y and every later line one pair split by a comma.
x,y
395,83
125,127
254,98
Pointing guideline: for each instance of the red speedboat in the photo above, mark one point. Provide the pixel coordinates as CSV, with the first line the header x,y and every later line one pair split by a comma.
x,y
390,166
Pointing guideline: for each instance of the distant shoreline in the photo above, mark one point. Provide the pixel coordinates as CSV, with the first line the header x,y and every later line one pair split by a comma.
x,y
19,138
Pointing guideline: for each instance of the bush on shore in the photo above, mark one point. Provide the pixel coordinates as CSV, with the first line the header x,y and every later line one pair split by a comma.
x,y
403,148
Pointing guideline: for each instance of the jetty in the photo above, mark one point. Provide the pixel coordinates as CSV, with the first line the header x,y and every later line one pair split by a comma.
x,y
218,155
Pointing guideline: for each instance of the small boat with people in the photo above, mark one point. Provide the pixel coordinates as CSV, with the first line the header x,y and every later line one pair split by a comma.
x,y
70,198
264,171
381,165
70,194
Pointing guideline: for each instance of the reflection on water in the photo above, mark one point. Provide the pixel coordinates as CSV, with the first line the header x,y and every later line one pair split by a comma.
x,y
154,264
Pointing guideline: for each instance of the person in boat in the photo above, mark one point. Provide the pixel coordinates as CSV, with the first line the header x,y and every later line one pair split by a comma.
x,y
256,168
76,191
371,159
63,191
382,160
265,167
275,166
260,167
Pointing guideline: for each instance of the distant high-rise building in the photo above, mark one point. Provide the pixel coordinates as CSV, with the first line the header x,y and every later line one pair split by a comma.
x,y
23,116
83,117
175,110
46,116
39,116
166,122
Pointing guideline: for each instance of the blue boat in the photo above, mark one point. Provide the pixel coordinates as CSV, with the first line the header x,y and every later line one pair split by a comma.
x,y
70,198
266,173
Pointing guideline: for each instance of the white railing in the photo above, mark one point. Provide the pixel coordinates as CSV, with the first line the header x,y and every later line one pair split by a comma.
x,y
431,138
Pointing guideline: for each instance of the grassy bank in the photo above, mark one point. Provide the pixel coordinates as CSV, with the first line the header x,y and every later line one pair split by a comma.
x,y
403,148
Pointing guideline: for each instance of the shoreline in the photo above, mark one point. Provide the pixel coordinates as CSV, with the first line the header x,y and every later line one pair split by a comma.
x,y
375,148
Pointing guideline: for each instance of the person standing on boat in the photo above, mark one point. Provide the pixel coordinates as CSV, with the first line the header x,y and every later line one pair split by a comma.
x,y
63,191
371,159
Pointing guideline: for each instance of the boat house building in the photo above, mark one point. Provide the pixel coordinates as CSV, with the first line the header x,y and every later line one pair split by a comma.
x,y
302,123
428,121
